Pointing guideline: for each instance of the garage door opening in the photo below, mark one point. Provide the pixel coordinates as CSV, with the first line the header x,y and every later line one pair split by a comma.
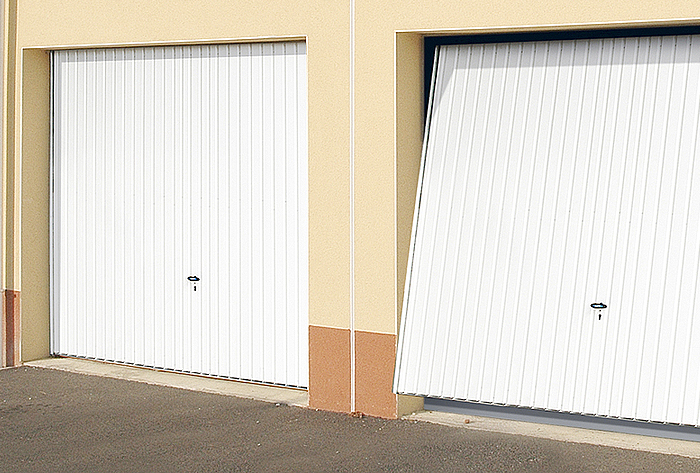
x,y
180,209
555,251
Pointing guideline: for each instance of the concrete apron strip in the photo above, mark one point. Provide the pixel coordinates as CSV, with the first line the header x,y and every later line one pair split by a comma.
x,y
565,434
289,396
294,397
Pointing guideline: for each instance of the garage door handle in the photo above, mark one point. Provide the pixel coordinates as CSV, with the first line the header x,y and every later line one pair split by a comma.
x,y
192,278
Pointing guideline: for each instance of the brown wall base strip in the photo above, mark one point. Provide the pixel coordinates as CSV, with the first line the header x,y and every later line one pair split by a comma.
x,y
375,355
11,328
329,368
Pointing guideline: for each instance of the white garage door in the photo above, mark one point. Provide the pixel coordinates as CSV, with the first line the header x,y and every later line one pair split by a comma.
x,y
180,209
557,175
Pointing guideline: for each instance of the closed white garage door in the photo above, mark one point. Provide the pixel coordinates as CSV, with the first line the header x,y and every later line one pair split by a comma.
x,y
180,209
557,175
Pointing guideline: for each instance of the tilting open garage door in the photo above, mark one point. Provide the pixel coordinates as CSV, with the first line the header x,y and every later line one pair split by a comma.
x,y
180,209
556,250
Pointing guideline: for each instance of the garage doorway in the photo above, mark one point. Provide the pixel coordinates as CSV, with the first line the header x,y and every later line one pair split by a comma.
x,y
180,209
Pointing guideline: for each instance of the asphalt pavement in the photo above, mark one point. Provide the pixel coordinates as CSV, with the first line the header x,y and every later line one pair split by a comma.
x,y
56,421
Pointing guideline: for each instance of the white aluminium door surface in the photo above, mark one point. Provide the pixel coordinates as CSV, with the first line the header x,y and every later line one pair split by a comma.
x,y
180,209
557,175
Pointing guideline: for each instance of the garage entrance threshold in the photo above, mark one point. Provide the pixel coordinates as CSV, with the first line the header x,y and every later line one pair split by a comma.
x,y
226,387
540,416
537,427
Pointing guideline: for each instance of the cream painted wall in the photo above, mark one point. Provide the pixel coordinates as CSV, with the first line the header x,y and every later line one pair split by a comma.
x,y
409,124
51,24
34,172
388,141
388,118
8,141
3,329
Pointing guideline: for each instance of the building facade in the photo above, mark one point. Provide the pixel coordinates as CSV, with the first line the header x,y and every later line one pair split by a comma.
x,y
352,85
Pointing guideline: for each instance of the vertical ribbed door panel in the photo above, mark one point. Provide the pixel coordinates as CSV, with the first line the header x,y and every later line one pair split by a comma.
x,y
177,162
557,175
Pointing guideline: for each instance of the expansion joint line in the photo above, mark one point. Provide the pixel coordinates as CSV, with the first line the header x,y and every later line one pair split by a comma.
x,y
352,207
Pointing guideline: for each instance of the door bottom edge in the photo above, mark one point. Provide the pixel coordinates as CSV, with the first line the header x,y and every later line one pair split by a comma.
x,y
565,419
193,374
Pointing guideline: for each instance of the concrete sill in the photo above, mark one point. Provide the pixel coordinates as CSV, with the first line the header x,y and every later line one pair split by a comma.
x,y
259,392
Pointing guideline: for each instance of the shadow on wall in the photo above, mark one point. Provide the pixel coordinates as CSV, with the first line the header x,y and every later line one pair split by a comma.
x,y
432,43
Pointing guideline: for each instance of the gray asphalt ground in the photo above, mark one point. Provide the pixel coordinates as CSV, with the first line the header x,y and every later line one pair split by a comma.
x,y
54,421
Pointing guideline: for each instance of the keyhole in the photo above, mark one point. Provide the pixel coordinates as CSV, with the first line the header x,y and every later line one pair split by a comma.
x,y
193,280
599,306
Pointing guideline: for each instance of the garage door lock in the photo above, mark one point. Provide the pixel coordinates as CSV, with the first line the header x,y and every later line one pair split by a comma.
x,y
599,306
194,280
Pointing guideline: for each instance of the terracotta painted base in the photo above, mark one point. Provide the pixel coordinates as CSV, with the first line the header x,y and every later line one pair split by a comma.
x,y
329,372
11,328
375,354
329,368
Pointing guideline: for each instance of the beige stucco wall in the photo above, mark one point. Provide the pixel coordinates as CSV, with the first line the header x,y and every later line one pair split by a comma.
x,y
388,121
52,24
33,175
387,138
